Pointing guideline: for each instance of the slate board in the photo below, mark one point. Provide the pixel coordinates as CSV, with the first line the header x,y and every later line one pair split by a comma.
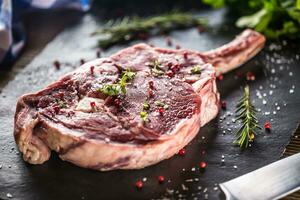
x,y
276,69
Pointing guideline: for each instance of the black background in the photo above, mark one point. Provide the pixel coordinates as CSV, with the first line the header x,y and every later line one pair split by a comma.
x,y
277,64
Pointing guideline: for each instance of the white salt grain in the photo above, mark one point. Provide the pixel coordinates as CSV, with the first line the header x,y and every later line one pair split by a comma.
x,y
278,108
264,102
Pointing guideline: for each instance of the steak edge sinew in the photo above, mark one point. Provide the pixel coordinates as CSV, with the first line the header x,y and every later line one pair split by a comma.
x,y
92,130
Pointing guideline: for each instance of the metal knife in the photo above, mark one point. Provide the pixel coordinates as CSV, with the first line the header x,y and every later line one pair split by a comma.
x,y
273,181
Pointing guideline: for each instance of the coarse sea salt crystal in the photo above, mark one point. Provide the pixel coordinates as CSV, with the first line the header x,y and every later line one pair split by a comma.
x,y
184,187
278,108
258,94
284,42
264,102
281,68
270,92
272,59
273,71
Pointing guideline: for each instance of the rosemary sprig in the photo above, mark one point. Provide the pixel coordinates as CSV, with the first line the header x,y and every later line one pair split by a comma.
x,y
130,28
246,113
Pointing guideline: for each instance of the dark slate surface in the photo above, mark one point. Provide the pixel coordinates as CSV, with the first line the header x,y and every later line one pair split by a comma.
x,y
277,82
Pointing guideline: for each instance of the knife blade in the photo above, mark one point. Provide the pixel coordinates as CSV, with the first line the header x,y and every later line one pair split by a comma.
x,y
273,181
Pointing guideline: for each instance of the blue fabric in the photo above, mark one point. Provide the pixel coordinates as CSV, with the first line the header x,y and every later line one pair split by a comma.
x,y
12,35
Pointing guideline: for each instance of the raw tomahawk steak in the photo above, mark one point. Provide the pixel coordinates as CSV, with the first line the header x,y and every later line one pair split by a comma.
x,y
130,110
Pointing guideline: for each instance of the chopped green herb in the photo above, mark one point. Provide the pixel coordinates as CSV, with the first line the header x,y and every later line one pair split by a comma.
x,y
157,72
161,104
62,104
128,75
146,105
110,89
156,68
144,115
154,64
120,87
196,70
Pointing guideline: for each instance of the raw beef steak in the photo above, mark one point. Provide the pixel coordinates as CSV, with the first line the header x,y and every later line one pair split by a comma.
x,y
130,110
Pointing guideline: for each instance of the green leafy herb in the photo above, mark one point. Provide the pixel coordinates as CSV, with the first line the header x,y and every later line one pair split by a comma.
x,y
126,76
146,105
215,3
144,115
273,18
157,71
155,68
128,28
62,104
120,87
196,70
110,89
246,113
161,104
